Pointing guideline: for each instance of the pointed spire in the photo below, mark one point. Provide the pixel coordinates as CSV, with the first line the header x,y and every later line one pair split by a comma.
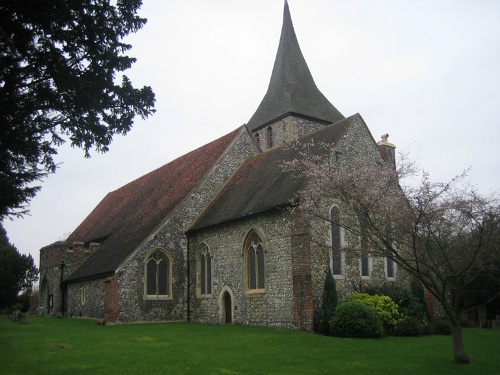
x,y
292,89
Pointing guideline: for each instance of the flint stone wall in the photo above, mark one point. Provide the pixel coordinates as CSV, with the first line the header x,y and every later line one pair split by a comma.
x,y
171,238
86,299
225,242
287,130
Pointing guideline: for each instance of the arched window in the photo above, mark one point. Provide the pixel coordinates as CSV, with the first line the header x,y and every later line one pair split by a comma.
x,y
270,137
257,138
337,261
204,271
254,256
158,275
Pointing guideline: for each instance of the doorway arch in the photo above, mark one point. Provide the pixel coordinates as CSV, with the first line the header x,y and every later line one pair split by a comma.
x,y
226,305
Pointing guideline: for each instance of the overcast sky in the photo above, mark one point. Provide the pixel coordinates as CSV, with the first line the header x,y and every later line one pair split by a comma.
x,y
427,72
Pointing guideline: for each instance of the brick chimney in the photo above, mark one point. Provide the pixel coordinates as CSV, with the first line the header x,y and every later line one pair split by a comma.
x,y
387,150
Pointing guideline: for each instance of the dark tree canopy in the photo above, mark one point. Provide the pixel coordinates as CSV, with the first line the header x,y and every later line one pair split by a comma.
x,y
17,271
59,61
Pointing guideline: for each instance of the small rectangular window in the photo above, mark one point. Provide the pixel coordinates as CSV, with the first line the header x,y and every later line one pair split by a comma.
x,y
365,266
390,268
83,296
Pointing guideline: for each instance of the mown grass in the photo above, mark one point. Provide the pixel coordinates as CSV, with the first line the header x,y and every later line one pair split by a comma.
x,y
78,346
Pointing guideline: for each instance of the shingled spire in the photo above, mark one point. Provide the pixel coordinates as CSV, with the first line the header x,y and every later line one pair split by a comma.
x,y
292,90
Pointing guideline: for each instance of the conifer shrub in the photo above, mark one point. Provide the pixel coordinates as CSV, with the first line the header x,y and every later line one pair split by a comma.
x,y
385,308
356,320
328,305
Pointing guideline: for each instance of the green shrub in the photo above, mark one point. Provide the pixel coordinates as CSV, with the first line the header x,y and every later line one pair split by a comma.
x,y
22,303
385,308
411,302
354,319
441,327
408,327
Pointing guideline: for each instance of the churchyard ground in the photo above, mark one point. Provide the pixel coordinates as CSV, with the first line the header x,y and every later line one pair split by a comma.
x,y
79,346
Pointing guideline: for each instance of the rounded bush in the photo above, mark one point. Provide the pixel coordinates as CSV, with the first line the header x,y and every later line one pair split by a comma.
x,y
354,319
386,309
408,327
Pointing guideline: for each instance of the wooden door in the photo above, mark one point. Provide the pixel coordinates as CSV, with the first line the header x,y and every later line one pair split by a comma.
x,y
228,308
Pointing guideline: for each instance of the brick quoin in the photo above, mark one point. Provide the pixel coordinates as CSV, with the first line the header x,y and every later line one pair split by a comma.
x,y
111,302
303,308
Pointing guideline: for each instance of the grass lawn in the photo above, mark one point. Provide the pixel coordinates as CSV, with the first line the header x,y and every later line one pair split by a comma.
x,y
78,346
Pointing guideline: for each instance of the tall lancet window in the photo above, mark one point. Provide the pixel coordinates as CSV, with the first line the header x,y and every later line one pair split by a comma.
x,y
204,271
158,275
270,137
365,259
254,259
337,261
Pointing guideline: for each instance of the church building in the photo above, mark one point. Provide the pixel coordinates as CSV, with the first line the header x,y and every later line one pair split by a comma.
x,y
210,237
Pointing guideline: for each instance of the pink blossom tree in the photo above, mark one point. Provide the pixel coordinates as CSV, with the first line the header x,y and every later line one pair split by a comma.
x,y
444,234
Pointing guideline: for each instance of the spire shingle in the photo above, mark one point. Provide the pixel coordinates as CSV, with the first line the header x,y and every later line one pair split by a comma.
x,y
292,89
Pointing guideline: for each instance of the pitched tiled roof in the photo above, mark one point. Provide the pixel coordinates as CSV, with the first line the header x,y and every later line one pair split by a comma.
x,y
261,184
292,89
125,217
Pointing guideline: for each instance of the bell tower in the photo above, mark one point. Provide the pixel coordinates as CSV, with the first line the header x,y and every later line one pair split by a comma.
x,y
293,105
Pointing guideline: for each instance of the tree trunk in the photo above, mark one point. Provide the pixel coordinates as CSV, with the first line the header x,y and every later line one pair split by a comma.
x,y
458,345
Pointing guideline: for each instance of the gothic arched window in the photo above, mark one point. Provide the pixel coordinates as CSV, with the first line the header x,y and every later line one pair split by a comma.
x,y
158,278
204,271
254,257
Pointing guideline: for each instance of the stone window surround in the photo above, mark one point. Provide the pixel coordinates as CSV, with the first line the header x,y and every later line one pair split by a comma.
x,y
203,249
83,296
343,245
168,296
246,261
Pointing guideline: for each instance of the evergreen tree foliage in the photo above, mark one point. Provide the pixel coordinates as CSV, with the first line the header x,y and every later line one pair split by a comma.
x,y
17,271
329,303
59,61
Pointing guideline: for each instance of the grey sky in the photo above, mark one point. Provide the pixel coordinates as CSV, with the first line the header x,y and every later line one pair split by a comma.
x,y
427,72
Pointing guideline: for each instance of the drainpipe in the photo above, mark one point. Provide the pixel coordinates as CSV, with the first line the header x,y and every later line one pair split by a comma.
x,y
188,283
62,287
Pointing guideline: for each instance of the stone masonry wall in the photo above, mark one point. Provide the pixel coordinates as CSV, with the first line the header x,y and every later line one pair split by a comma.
x,y
171,238
86,299
274,307
356,145
54,259
287,130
